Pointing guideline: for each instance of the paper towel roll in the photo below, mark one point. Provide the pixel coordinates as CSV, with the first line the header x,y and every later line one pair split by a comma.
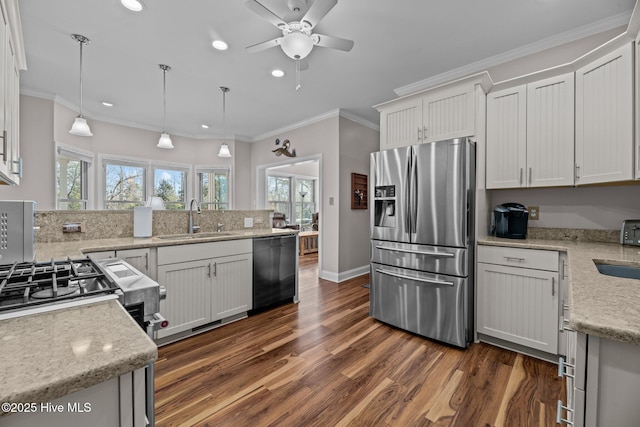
x,y
142,221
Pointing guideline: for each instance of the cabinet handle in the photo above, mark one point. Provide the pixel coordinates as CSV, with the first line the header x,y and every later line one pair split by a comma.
x,y
146,262
530,176
559,419
424,132
511,258
4,145
553,286
209,270
521,171
577,172
215,269
19,163
562,372
419,137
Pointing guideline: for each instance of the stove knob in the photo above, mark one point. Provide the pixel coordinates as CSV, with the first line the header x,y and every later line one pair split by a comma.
x,y
163,292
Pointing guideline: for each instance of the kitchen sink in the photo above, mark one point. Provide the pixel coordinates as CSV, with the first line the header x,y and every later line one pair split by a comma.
x,y
195,236
624,271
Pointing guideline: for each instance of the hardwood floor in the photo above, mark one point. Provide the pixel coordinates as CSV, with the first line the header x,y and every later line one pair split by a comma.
x,y
325,362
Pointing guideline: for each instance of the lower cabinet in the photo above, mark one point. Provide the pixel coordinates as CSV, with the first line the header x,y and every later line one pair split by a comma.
x,y
202,291
517,297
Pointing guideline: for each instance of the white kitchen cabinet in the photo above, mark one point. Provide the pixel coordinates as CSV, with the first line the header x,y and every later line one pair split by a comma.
x,y
10,160
205,282
530,134
101,254
443,113
604,119
139,258
517,296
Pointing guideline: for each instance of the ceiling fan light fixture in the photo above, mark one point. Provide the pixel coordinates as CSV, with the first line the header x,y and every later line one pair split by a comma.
x,y
133,5
296,45
224,151
80,127
165,141
277,73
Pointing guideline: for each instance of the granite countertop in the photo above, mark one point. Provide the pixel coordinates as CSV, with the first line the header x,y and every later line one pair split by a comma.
x,y
77,248
601,305
49,355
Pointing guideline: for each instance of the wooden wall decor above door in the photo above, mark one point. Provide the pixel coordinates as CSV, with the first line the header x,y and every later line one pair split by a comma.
x,y
359,199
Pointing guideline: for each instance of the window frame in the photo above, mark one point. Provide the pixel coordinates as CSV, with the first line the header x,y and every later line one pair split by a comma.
x,y
172,167
87,162
292,216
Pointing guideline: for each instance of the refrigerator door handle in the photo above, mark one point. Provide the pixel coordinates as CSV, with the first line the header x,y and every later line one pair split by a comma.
x,y
417,279
411,194
413,251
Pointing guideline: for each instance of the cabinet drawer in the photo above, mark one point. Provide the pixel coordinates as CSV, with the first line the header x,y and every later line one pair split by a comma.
x,y
518,257
196,251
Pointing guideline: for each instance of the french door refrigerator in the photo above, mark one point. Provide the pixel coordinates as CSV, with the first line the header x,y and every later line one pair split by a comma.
x,y
422,239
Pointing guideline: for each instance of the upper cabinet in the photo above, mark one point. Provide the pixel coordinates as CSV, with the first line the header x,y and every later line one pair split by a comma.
x,y
604,119
443,113
11,61
530,137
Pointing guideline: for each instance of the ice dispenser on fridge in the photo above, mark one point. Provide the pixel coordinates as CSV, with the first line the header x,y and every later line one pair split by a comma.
x,y
385,206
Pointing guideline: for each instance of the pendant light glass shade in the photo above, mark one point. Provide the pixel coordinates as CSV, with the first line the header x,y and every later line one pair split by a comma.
x,y
165,139
224,151
224,148
80,126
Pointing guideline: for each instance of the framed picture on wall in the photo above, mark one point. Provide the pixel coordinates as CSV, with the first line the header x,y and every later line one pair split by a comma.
x,y
359,185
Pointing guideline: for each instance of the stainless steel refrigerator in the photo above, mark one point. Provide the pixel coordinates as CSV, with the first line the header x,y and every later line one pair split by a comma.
x,y
422,239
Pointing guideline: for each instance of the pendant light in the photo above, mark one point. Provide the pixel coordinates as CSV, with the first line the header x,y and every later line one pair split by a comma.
x,y
80,126
224,148
165,139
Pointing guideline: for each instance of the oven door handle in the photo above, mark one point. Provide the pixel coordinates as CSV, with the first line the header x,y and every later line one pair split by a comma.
x,y
414,251
417,279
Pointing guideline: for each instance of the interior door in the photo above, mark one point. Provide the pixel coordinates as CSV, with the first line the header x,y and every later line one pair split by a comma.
x,y
440,187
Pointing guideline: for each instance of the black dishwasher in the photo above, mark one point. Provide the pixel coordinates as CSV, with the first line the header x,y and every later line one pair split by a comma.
x,y
274,270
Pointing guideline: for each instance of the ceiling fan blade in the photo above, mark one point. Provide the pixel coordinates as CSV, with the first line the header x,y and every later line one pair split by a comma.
x,y
334,42
317,11
264,45
258,8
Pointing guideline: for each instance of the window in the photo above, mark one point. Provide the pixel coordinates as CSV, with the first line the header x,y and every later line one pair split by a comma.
x,y
213,189
170,184
305,202
72,172
279,194
124,184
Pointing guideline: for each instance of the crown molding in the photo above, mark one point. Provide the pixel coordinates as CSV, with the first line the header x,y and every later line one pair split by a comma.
x,y
529,49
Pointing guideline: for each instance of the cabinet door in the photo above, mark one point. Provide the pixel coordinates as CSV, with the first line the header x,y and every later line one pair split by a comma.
x,y
506,138
232,285
401,124
518,305
4,48
550,132
604,119
188,302
138,258
449,114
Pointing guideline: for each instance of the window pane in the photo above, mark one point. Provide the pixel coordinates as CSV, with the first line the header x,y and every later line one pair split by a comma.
x,y
278,195
214,189
305,202
170,186
124,187
71,175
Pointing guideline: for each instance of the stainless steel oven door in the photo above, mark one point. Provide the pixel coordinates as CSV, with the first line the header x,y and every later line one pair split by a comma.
x,y
431,305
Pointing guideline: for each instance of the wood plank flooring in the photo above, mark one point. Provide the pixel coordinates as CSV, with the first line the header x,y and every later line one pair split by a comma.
x,y
325,362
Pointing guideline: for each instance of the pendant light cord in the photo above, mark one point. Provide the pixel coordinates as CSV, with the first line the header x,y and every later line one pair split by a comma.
x,y
164,99
81,43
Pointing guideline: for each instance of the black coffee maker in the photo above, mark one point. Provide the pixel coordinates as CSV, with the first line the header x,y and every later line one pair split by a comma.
x,y
510,220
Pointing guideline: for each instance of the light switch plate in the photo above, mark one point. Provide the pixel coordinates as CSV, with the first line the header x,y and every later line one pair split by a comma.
x,y
248,222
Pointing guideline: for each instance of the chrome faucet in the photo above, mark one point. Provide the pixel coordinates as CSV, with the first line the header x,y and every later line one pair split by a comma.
x,y
193,228
220,225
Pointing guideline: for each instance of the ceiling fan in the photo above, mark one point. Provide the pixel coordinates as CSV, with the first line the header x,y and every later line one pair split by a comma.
x,y
297,39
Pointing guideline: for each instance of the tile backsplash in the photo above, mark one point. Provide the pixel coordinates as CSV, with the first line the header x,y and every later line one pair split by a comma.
x,y
106,224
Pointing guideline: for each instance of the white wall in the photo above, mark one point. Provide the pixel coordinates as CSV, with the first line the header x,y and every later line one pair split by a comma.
x,y
600,208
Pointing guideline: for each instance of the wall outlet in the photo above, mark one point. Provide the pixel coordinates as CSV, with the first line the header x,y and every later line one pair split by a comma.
x,y
248,222
74,227
534,213
258,220
331,202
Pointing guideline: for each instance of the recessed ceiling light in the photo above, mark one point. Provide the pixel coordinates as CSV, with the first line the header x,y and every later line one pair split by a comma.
x,y
220,45
134,5
204,126
107,104
277,73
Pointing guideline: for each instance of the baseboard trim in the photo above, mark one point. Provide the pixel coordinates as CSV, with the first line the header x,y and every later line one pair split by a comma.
x,y
332,276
